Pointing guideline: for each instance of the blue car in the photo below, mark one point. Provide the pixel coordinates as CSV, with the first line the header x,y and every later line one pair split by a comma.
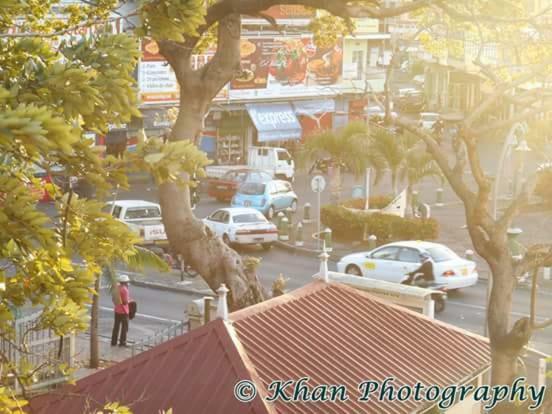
x,y
268,198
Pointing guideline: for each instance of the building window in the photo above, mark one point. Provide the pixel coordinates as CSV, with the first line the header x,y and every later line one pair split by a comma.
x,y
358,59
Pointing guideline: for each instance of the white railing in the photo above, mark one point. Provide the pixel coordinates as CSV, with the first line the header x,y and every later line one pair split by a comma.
x,y
39,348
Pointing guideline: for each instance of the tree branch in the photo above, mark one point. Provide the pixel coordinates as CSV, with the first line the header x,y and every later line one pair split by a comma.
x,y
220,69
500,91
455,180
518,203
512,120
538,255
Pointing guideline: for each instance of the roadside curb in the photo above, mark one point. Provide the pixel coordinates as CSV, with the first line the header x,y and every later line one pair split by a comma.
x,y
303,251
170,288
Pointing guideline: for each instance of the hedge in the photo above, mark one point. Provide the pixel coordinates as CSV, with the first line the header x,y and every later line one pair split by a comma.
x,y
379,201
349,226
543,187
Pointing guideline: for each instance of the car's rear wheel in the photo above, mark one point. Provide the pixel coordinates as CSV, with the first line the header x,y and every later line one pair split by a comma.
x,y
270,213
353,270
226,239
439,304
266,246
293,206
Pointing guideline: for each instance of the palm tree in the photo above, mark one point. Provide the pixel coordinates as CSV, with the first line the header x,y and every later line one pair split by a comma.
x,y
418,165
347,148
391,150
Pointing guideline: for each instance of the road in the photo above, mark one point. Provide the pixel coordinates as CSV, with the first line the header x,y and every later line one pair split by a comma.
x,y
465,309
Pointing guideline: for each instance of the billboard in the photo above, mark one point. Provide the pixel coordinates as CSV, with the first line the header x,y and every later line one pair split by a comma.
x,y
283,66
290,12
271,67
156,79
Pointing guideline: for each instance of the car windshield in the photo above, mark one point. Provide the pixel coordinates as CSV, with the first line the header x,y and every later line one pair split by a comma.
x,y
441,254
283,156
432,117
249,218
142,213
252,189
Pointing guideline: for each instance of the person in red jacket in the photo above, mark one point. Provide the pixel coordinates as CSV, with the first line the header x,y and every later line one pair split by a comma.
x,y
121,301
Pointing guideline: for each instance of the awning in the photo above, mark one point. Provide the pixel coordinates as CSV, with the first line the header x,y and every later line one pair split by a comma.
x,y
314,106
275,122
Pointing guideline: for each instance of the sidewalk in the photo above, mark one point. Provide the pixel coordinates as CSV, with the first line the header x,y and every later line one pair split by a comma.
x,y
109,355
171,281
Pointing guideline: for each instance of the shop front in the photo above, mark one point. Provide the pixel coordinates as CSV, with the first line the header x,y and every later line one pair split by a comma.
x,y
314,115
274,123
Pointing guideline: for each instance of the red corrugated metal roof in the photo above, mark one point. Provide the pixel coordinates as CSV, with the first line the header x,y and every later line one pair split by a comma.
x,y
194,373
334,334
330,333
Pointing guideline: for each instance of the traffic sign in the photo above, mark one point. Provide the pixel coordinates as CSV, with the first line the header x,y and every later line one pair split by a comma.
x,y
318,184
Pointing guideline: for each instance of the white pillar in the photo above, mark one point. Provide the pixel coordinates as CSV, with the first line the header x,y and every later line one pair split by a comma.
x,y
222,307
429,308
324,266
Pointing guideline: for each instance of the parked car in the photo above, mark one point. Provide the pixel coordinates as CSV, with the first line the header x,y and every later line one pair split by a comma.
x,y
224,188
268,198
242,226
410,100
375,112
393,261
274,160
56,177
428,119
142,217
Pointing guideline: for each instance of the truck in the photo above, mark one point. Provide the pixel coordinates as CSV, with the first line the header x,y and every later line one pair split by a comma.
x,y
142,217
276,161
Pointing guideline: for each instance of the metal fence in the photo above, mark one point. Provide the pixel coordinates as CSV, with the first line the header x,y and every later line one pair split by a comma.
x,y
39,349
159,337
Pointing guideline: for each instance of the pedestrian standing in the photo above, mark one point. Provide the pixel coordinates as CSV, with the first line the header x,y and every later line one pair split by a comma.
x,y
121,299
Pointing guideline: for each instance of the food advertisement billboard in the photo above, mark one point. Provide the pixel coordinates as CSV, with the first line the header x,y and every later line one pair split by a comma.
x,y
286,67
156,79
290,11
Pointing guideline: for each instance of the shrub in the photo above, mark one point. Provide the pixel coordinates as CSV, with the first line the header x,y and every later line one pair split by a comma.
x,y
349,226
543,188
378,201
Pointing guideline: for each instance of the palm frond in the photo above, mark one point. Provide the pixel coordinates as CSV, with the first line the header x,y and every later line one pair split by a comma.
x,y
143,258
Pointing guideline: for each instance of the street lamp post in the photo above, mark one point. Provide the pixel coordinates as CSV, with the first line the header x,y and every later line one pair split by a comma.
x,y
509,143
521,150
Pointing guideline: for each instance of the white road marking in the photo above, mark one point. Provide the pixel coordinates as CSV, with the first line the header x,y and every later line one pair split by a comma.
x,y
483,308
142,315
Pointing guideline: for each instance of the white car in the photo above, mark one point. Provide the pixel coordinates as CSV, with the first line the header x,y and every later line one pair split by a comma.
x,y
142,217
242,226
428,119
393,261
378,112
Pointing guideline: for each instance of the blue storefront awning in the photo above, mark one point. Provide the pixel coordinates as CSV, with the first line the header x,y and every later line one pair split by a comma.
x,y
275,122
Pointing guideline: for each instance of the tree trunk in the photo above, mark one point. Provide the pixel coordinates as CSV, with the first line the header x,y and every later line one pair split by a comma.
x,y
335,184
94,339
506,344
394,182
410,207
188,236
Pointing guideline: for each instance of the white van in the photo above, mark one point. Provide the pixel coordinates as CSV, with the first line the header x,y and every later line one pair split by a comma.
x,y
278,161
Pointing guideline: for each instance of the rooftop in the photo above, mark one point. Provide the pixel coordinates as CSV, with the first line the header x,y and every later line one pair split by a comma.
x,y
331,333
